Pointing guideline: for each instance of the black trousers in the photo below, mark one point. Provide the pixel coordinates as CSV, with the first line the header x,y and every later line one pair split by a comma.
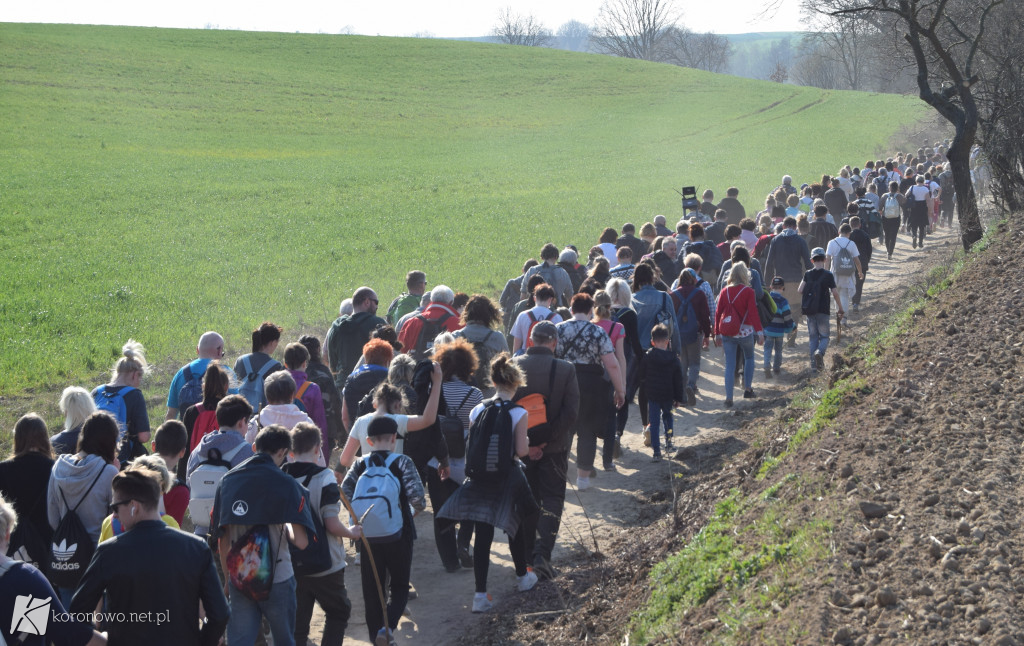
x,y
547,482
329,592
394,560
891,228
448,541
482,553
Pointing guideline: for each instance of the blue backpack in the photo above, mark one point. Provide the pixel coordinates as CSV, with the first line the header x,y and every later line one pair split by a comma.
x,y
252,384
379,491
191,393
113,402
689,326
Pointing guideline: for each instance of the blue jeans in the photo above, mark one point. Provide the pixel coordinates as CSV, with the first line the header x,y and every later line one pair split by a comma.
x,y
664,409
279,609
773,344
732,345
818,330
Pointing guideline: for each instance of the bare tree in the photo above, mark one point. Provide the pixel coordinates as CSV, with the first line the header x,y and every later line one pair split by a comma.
x,y
633,28
574,36
843,39
780,74
813,67
708,52
517,29
945,38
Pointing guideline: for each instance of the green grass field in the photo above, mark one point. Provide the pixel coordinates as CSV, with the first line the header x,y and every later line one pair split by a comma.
x,y
159,183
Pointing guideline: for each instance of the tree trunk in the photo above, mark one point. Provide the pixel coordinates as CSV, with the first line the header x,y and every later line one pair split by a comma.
x,y
959,156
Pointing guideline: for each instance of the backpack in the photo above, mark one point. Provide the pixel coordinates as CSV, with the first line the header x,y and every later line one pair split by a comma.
x,y
892,209
192,392
113,403
398,304
730,322
481,378
844,263
316,557
453,431
491,441
299,393
534,321
810,303
918,208
250,564
205,424
536,406
27,544
379,491
203,483
428,331
72,546
689,326
252,384
766,307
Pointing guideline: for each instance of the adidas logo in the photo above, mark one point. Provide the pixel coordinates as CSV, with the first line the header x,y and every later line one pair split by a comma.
x,y
63,551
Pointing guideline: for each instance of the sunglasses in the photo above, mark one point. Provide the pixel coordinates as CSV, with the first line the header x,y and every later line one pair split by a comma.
x,y
112,507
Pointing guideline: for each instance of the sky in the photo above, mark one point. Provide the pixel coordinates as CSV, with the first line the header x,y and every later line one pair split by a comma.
x,y
443,19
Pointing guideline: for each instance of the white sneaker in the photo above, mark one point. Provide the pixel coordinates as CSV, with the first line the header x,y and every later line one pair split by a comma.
x,y
582,483
482,602
356,560
527,581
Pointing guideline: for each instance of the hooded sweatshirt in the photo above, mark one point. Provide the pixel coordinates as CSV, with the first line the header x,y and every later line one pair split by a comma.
x,y
73,477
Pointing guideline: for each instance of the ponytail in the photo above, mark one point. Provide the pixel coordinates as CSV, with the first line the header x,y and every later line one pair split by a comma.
x,y
264,335
133,359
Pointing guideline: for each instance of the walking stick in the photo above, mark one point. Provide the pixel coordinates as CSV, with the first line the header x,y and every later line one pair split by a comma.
x,y
369,554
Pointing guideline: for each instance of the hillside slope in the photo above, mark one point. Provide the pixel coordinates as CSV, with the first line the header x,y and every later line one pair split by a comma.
x,y
159,183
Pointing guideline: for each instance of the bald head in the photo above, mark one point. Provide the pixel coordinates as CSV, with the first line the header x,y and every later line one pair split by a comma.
x,y
211,346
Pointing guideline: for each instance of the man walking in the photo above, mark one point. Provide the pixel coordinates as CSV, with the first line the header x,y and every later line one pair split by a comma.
x,y
552,274
555,381
123,573
415,285
348,335
187,385
788,257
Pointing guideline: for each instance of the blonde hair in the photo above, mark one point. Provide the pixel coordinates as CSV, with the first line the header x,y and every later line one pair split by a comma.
x,y
505,373
8,518
738,274
133,360
401,369
602,305
648,230
618,290
77,405
156,464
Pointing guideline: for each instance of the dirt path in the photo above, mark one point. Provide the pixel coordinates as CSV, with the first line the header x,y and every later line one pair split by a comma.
x,y
620,501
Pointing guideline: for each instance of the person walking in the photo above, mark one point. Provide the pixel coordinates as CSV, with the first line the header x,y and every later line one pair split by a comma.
x,y
736,325
498,499
892,205
814,289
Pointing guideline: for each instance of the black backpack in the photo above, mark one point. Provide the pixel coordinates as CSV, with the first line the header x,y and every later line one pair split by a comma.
x,y
491,442
72,547
453,431
27,544
316,557
428,331
810,303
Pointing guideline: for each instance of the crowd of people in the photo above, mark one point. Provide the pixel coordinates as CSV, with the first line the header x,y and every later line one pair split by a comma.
x,y
473,405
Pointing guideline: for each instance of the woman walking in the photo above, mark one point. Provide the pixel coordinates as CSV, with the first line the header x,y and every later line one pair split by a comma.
x,y
736,324
497,501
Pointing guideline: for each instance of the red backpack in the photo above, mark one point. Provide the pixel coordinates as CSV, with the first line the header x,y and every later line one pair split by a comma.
x,y
729,324
205,424
534,321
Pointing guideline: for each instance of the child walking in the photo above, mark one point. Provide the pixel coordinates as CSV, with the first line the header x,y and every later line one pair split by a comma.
x,y
662,375
775,332
816,287
385,487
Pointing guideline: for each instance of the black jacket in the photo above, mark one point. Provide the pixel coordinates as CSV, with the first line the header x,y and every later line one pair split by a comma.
x,y
715,232
563,401
359,383
662,374
638,246
132,569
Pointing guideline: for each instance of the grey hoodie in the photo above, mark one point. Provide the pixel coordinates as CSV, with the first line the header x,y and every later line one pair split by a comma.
x,y
223,441
71,477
